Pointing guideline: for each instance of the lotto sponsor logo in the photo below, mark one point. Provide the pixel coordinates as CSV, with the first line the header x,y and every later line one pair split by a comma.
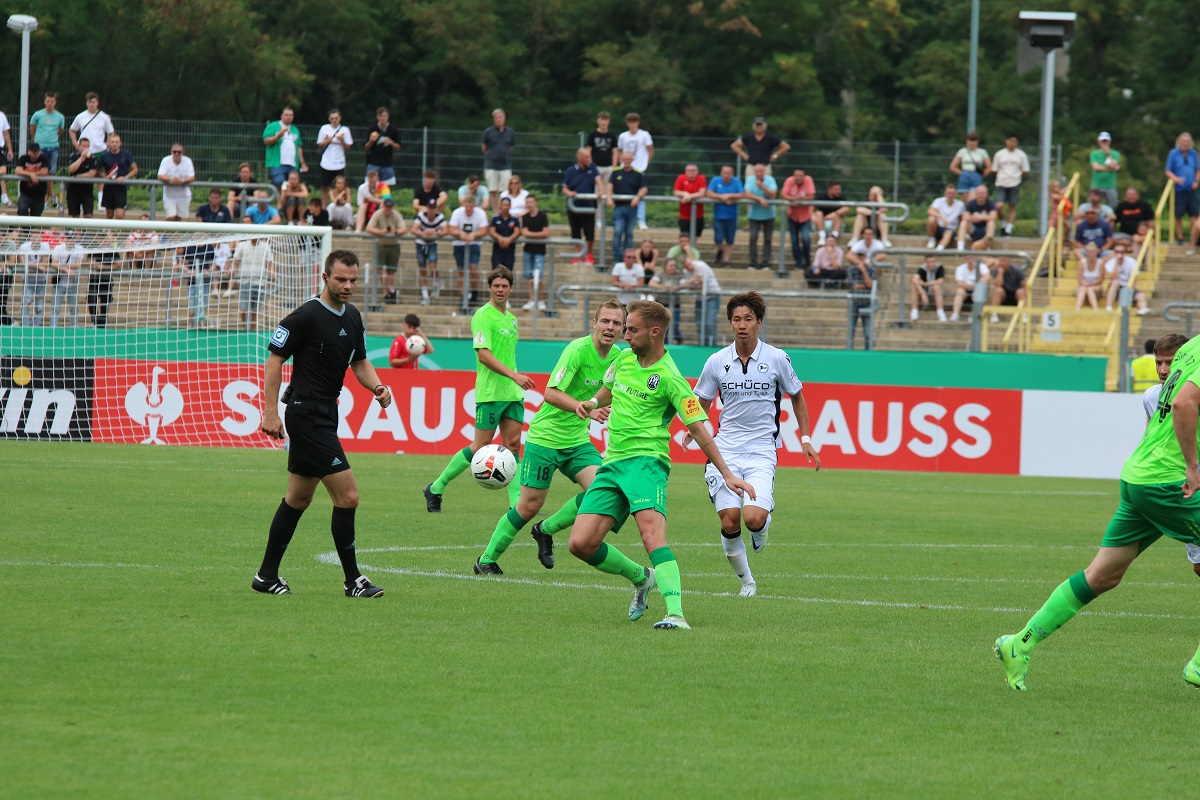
x,y
45,398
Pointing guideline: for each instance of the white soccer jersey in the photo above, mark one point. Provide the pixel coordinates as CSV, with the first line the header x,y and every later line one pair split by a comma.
x,y
750,396
1150,400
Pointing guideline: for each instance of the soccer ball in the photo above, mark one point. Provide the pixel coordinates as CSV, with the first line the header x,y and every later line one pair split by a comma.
x,y
416,345
494,466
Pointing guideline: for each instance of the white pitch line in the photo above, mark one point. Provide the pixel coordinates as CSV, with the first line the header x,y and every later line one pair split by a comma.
x,y
929,545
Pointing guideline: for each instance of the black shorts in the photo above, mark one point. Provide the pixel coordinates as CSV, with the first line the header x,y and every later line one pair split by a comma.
x,y
1010,297
685,226
583,225
80,199
328,175
114,196
314,450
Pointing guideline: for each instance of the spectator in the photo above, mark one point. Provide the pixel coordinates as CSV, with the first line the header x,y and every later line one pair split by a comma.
x,y
861,251
1132,212
640,144
371,194
334,140
535,228
34,258
699,277
1105,163
628,188
92,124
761,189
399,356
194,263
1093,230
1145,372
871,217
293,198
1091,277
971,164
140,246
582,177
759,148
1060,205
252,263
8,266
117,165
6,158
690,187
100,285
797,189
31,167
341,212
497,145
826,265
928,280
829,216
1008,284
726,190
648,256
382,144
1120,268
941,221
1183,169
475,189
685,249
429,191
468,224
978,221
516,195
45,127
505,229
66,262
387,226
316,215
602,145
1096,201
261,212
428,227
285,147
81,200
213,211
668,282
176,171
628,276
1011,166
233,200
222,267
967,276
861,275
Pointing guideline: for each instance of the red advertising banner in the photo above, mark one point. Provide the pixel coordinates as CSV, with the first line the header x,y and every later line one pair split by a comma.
x,y
853,427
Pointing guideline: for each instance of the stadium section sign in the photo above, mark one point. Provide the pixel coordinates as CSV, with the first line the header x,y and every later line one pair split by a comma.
x,y
45,398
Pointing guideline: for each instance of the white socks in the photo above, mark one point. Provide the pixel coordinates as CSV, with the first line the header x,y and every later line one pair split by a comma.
x,y
735,551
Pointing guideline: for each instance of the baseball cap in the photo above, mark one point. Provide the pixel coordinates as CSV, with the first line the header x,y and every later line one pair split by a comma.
x,y
387,201
760,121
1104,137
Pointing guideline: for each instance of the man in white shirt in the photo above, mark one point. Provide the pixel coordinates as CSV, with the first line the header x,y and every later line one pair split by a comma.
x,y
177,171
252,265
6,156
1011,165
751,377
1119,268
93,125
641,145
66,259
966,275
860,252
942,220
334,139
700,277
468,224
34,261
628,276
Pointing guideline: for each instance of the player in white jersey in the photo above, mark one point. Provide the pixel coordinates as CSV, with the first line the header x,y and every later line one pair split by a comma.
x,y
751,377
1164,354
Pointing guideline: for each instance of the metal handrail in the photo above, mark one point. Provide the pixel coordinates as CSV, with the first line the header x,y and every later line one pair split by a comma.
x,y
1053,239
1188,306
154,185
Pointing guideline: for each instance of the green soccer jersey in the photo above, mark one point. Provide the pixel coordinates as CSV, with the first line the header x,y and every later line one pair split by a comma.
x,y
1158,459
580,374
644,401
1106,179
496,331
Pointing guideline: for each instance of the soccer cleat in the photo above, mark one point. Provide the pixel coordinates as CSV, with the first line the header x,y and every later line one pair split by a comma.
x,y
1015,664
433,502
640,592
1191,674
487,569
670,623
748,589
361,587
273,586
545,543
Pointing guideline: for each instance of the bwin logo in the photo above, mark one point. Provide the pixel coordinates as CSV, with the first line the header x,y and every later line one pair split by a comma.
x,y
652,382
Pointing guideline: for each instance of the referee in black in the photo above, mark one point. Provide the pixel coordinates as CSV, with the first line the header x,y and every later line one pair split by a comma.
x,y
323,336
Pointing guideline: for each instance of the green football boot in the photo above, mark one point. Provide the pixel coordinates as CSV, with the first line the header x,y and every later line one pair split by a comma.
x,y
1191,674
1015,664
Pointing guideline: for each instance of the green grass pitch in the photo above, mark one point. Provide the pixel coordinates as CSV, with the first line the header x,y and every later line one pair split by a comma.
x,y
135,662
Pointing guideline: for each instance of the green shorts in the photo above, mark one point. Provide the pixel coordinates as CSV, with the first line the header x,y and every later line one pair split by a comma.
x,y
488,415
1148,512
538,463
628,486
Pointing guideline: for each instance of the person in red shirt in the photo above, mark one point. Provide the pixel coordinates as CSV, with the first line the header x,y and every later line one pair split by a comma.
x,y
398,356
796,188
689,187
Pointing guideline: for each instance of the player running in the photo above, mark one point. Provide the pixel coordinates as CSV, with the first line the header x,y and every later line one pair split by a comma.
x,y
322,337
751,377
499,388
559,440
1159,484
646,391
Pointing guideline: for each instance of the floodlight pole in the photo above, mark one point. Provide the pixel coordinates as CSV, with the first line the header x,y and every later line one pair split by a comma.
x,y
1047,128
26,25
973,75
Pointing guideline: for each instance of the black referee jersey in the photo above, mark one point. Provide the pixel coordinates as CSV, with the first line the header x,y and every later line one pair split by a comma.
x,y
322,343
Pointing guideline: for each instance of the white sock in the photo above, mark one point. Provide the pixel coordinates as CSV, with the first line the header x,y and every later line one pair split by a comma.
x,y
766,525
424,293
735,551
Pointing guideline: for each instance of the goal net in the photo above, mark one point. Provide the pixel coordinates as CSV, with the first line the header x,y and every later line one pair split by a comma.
x,y
144,332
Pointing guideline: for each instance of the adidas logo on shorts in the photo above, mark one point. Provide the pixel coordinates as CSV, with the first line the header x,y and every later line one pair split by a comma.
x,y
337,462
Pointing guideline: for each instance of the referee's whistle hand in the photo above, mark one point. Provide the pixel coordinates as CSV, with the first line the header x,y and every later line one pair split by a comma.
x,y
384,395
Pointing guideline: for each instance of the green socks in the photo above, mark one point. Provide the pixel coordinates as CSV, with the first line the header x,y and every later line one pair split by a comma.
x,y
614,562
1064,603
457,466
666,574
506,531
514,487
564,517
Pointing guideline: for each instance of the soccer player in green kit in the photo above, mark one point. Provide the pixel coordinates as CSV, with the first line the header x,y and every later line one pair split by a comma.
x,y
499,388
645,391
1159,485
559,440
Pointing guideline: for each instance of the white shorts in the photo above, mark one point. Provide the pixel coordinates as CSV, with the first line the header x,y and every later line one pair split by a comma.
x,y
1193,552
497,179
757,469
176,208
